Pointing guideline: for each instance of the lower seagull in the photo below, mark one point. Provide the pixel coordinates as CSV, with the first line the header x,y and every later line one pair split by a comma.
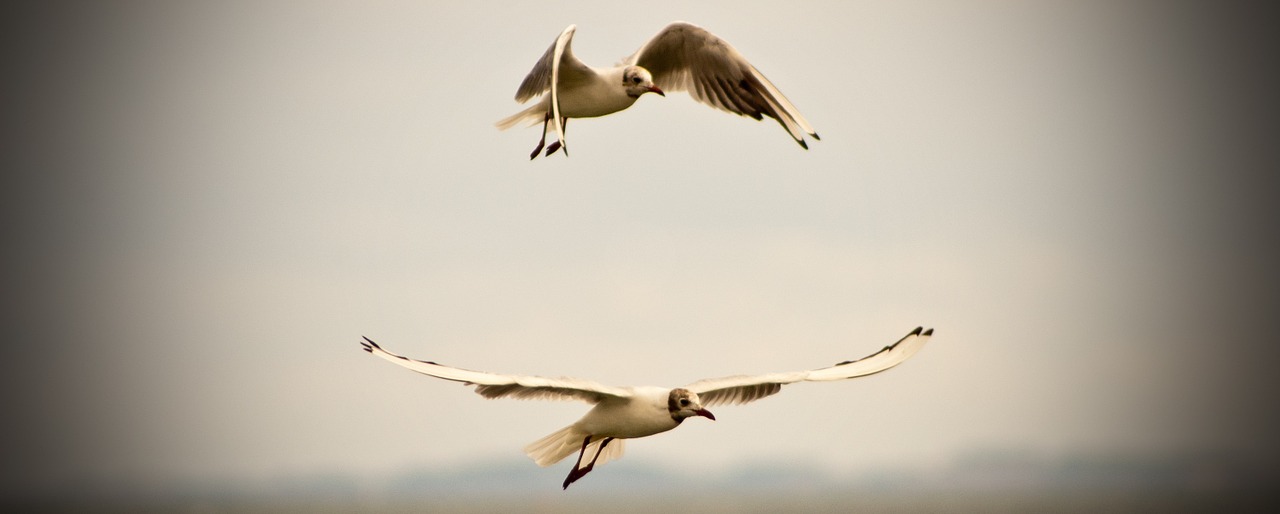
x,y
631,412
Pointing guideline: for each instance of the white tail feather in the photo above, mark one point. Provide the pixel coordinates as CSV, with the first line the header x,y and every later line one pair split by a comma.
x,y
567,441
531,116
556,446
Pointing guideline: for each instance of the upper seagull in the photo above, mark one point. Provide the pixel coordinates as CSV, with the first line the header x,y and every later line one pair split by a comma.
x,y
681,57
630,412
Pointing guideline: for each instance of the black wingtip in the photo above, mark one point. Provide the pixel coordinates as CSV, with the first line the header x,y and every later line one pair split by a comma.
x,y
927,333
916,332
815,136
803,144
369,345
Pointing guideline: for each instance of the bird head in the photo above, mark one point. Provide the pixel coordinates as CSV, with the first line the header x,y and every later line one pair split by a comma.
x,y
638,81
683,403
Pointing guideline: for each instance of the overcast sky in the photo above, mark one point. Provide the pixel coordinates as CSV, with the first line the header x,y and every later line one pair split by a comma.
x,y
211,202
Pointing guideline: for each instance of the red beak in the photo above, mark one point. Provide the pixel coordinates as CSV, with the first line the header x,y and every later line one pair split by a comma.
x,y
654,89
704,412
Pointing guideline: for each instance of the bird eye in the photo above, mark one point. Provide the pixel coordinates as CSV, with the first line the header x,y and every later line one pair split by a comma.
x,y
684,402
635,80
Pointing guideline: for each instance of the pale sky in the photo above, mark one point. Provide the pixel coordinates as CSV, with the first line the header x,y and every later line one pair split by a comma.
x,y
214,201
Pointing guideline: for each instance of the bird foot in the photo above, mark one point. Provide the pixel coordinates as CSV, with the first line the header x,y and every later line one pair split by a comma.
x,y
551,148
576,474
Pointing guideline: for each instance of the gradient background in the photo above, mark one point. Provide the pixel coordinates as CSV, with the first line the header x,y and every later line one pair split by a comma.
x,y
206,204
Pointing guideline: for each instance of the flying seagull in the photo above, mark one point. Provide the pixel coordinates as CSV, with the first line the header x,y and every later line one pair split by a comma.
x,y
631,412
681,57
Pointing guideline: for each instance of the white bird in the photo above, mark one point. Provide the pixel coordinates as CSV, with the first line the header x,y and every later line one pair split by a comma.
x,y
681,57
631,412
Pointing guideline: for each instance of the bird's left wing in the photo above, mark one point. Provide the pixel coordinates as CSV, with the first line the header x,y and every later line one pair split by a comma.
x,y
558,55
686,57
558,51
555,69
744,388
493,385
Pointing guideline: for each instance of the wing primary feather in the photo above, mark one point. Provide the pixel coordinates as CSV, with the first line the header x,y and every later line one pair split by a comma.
x,y
716,96
743,388
740,98
916,332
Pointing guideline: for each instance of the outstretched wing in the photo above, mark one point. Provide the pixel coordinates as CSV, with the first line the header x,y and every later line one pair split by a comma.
x,y
686,57
743,388
492,385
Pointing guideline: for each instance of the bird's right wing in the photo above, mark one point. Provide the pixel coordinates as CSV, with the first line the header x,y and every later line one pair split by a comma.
x,y
686,57
749,388
492,385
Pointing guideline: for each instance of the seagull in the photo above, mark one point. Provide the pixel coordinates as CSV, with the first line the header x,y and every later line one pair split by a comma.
x,y
631,412
681,57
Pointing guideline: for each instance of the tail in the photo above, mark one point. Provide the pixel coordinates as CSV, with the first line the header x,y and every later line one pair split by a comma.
x,y
567,441
533,115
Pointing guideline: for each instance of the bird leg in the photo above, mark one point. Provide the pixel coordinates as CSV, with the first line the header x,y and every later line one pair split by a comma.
x,y
556,145
573,473
578,472
542,141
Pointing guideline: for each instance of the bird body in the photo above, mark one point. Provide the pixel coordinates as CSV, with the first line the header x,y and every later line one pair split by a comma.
x,y
681,57
621,413
643,413
588,96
